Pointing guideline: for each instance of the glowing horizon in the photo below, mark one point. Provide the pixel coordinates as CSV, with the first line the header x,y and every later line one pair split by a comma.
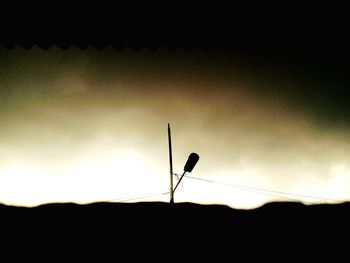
x,y
86,126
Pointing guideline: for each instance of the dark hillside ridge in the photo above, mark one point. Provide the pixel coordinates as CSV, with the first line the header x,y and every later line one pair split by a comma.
x,y
157,226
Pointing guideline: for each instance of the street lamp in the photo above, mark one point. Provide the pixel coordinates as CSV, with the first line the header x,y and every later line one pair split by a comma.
x,y
190,164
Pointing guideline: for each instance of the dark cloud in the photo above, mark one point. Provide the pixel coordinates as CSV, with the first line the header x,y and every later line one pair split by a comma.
x,y
283,118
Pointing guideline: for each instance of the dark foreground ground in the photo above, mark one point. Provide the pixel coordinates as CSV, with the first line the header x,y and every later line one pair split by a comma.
x,y
285,232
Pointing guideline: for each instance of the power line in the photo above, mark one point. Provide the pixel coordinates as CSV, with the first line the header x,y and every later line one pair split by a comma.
x,y
250,190
265,191
247,188
147,196
139,196
271,194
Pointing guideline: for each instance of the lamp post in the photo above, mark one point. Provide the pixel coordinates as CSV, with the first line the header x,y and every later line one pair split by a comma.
x,y
190,164
171,166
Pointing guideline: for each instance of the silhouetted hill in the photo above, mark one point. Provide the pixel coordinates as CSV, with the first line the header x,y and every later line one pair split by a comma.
x,y
147,230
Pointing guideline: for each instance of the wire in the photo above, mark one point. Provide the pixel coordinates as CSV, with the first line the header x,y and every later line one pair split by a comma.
x,y
250,190
139,196
247,188
265,191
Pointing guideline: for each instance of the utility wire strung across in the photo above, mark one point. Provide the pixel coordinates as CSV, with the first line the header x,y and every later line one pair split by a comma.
x,y
279,194
266,191
139,196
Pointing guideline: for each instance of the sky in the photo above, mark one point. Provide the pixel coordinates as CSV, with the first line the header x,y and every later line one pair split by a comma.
x,y
91,125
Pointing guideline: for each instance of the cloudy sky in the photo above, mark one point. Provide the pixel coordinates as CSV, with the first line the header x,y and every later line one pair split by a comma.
x,y
87,125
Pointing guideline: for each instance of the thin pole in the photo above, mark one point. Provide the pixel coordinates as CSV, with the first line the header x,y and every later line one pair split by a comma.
x,y
171,166
179,182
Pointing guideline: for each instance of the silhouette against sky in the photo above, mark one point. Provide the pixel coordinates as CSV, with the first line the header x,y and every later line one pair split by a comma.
x,y
89,125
